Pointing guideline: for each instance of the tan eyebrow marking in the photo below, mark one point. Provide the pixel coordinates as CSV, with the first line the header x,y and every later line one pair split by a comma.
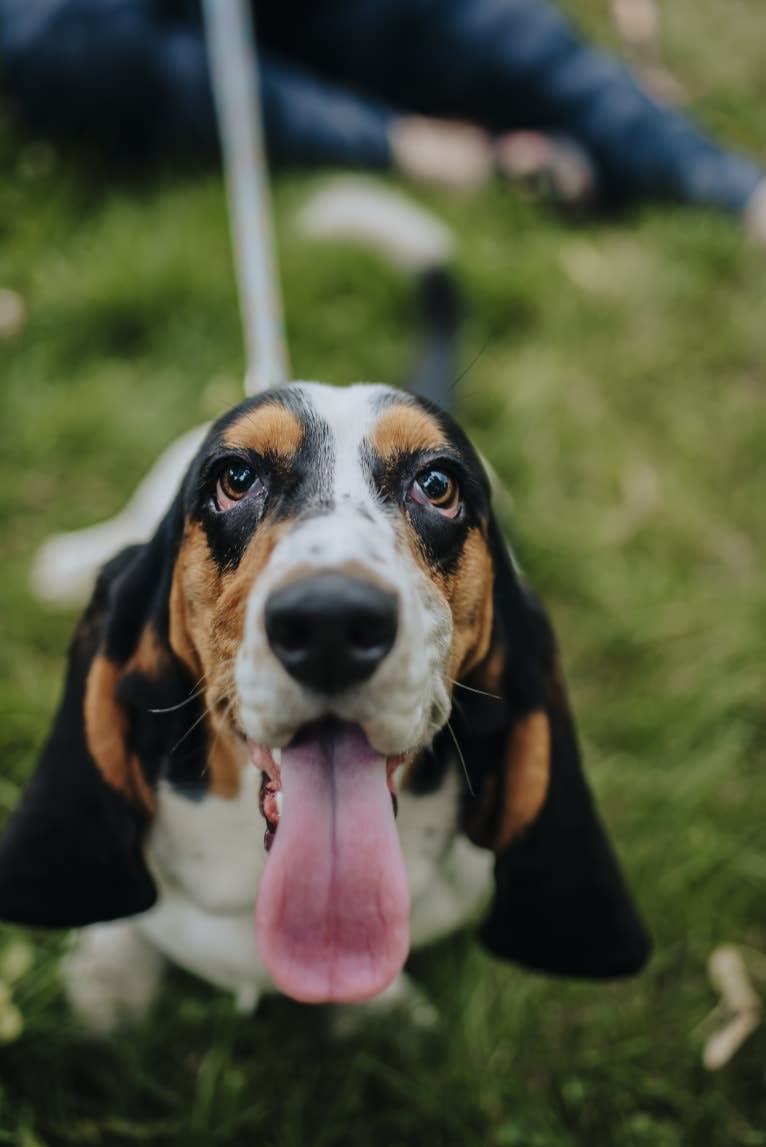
x,y
406,429
270,428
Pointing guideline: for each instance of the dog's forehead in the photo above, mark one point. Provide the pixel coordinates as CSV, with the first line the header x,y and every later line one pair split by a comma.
x,y
334,428
391,421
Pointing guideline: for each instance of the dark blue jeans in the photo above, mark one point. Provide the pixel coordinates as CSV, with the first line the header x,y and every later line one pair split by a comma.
x,y
132,74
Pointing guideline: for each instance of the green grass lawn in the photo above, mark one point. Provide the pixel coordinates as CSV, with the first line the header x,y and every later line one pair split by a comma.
x,y
619,389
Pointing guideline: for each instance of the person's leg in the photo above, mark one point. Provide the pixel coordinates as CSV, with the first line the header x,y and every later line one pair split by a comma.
x,y
107,73
124,75
508,64
312,121
132,76
309,120
83,69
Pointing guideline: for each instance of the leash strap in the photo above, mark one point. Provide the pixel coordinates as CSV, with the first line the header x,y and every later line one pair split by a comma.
x,y
236,90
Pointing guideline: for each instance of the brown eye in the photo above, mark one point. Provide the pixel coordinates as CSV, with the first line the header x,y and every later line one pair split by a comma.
x,y
436,488
236,481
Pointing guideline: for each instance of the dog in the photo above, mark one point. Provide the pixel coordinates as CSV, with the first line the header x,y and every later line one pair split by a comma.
x,y
318,719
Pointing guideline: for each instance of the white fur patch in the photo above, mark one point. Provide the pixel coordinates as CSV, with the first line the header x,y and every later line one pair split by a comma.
x,y
210,850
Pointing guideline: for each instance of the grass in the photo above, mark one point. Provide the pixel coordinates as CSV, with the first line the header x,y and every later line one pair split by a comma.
x,y
620,391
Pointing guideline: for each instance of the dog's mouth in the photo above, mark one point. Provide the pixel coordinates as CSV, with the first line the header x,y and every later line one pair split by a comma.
x,y
332,912
269,761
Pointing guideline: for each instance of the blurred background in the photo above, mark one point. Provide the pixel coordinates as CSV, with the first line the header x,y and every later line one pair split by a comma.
x,y
617,382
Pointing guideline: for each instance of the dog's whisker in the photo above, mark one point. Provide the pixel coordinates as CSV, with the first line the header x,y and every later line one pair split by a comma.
x,y
219,725
471,789
197,691
479,692
205,712
456,705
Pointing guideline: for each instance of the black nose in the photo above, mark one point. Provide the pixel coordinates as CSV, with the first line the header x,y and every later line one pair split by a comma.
x,y
330,631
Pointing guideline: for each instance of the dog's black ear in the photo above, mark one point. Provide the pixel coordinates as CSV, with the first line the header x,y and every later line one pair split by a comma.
x,y
560,903
72,853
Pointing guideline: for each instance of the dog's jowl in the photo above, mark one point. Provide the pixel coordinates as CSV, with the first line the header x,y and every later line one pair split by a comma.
x,y
320,699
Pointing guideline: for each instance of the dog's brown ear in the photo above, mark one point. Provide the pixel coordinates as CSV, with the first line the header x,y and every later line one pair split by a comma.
x,y
72,853
560,903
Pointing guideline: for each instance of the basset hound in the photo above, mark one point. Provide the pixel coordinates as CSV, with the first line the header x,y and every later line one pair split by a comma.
x,y
318,719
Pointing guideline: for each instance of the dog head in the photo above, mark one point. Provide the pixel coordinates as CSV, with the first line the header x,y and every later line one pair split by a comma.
x,y
330,596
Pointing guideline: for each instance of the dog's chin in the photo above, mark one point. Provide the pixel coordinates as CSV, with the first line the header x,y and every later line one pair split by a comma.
x,y
332,912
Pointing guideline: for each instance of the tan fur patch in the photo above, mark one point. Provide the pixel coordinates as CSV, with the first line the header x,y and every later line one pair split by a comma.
x,y
179,631
106,731
469,594
268,429
467,590
192,593
149,657
527,775
510,802
491,673
406,429
207,618
225,763
207,605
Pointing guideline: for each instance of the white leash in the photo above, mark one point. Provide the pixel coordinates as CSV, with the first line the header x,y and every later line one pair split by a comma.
x,y
234,75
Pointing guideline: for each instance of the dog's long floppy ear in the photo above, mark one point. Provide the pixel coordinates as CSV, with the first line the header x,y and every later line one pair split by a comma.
x,y
72,852
560,904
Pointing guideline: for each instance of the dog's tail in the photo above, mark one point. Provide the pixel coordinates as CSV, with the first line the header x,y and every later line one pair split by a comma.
x,y
365,212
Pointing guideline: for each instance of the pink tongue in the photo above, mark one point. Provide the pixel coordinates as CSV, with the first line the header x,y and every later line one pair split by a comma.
x,y
332,913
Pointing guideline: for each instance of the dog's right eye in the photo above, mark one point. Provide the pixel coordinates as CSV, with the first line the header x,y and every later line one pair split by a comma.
x,y
237,481
434,487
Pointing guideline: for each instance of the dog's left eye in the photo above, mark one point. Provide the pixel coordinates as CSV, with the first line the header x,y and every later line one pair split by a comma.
x,y
434,487
237,481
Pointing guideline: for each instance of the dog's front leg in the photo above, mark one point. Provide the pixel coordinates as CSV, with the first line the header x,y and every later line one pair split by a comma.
x,y
111,975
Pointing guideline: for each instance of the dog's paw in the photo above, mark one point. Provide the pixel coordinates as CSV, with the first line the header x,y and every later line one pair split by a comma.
x,y
111,976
